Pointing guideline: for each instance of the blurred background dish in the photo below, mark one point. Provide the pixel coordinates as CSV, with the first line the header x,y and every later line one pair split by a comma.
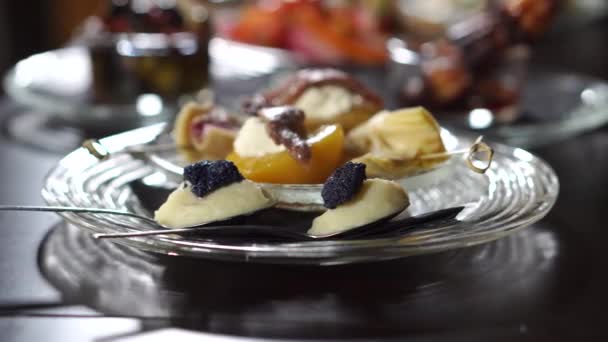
x,y
131,65
512,104
59,82
318,32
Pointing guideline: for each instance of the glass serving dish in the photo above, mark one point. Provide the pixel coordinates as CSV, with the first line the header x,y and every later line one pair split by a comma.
x,y
517,190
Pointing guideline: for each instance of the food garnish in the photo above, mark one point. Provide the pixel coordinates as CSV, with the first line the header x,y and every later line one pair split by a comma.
x,y
374,200
285,126
343,184
207,176
212,191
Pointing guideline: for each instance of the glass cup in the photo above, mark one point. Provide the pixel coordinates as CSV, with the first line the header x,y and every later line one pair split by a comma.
x,y
147,51
131,64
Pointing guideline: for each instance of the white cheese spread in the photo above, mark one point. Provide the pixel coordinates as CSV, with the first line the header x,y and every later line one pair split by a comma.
x,y
184,209
377,199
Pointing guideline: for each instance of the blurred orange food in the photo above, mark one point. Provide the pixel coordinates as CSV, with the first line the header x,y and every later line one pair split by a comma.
x,y
316,32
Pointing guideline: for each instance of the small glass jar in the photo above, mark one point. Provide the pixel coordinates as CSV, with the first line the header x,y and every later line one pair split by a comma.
x,y
137,51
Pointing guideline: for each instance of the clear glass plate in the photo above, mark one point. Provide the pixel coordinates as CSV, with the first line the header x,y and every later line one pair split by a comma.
x,y
304,197
517,190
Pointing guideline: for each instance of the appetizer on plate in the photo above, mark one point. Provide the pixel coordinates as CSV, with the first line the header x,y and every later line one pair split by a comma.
x,y
204,132
275,148
327,96
215,191
300,132
398,143
211,191
354,201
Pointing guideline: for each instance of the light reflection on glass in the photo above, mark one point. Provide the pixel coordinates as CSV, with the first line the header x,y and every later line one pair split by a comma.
x,y
64,72
149,105
401,54
589,96
142,6
158,178
547,244
259,61
523,155
124,48
480,118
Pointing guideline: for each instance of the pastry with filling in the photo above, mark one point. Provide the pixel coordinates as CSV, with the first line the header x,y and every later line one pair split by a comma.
x,y
354,201
212,191
327,96
397,144
274,147
204,132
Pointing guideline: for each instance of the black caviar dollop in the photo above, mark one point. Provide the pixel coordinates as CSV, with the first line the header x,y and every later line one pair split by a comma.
x,y
343,184
209,175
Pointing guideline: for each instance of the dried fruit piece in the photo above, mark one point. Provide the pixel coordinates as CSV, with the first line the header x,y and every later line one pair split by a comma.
x,y
285,126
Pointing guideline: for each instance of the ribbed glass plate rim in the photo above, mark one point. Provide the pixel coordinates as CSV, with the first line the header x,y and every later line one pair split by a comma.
x,y
538,175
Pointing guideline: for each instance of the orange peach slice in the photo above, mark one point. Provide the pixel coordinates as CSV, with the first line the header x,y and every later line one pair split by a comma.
x,y
326,147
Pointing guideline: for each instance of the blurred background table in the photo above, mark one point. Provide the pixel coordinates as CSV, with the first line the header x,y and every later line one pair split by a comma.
x,y
556,293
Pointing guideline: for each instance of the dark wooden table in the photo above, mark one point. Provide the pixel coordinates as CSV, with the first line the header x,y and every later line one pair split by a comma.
x,y
546,283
